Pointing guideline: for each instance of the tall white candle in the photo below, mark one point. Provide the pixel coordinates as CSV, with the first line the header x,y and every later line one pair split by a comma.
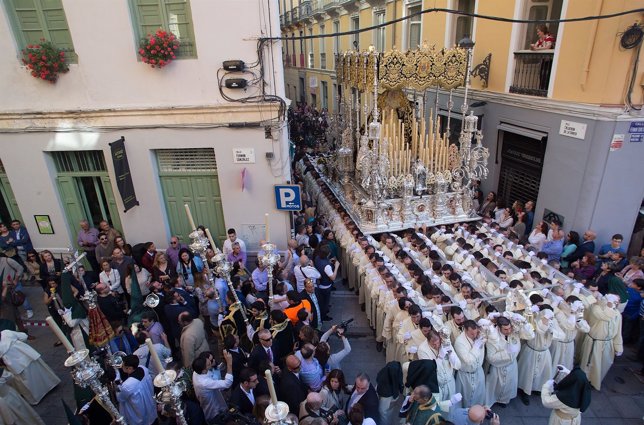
x,y
59,333
190,220
271,387
155,357
268,233
212,241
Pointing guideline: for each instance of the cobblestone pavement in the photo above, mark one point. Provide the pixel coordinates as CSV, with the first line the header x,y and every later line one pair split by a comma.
x,y
621,400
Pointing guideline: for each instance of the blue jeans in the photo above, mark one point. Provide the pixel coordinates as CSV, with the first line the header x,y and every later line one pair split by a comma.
x,y
26,304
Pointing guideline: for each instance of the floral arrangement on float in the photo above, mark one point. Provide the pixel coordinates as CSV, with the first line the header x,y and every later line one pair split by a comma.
x,y
159,49
44,61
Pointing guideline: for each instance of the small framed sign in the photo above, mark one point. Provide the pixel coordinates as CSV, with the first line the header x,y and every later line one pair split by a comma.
x,y
44,224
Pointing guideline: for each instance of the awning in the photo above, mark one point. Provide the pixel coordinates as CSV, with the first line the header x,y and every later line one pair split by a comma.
x,y
533,134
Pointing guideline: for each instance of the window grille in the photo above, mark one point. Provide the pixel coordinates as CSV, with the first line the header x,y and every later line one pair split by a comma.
x,y
186,160
79,161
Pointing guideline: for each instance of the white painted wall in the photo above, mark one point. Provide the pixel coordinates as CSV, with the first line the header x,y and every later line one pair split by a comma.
x,y
108,78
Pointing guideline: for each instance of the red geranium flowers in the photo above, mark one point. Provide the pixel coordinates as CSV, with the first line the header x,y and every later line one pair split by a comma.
x,y
159,49
44,61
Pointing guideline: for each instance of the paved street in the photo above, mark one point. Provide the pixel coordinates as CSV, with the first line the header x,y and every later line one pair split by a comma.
x,y
621,400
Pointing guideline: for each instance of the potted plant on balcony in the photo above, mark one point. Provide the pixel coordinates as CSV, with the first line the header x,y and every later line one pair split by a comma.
x,y
44,60
159,49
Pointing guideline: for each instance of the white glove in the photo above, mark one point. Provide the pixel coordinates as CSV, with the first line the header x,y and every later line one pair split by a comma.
x,y
453,358
544,261
510,244
407,336
220,318
456,398
576,306
427,273
618,353
503,285
412,350
439,309
478,343
534,308
426,314
563,369
442,352
493,315
578,285
571,320
462,304
514,348
544,293
517,317
531,254
548,314
483,322
550,385
497,254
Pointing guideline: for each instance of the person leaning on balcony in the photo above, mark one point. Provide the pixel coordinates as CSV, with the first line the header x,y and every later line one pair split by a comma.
x,y
546,40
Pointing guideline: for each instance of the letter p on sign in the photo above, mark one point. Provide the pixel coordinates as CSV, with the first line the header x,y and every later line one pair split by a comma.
x,y
288,197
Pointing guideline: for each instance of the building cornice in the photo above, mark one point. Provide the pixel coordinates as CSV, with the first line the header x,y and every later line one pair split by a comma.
x,y
201,116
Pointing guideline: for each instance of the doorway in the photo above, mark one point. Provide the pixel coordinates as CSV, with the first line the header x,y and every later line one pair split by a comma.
x,y
521,165
189,176
85,189
8,205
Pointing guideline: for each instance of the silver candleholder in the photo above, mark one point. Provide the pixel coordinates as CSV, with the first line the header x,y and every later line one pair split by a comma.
x,y
199,246
276,414
86,373
223,269
171,391
269,259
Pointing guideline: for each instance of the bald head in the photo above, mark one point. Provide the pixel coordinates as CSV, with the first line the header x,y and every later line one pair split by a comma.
x,y
292,243
314,401
476,413
304,261
293,363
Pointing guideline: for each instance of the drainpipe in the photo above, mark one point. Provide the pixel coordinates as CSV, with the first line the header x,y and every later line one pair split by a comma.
x,y
591,46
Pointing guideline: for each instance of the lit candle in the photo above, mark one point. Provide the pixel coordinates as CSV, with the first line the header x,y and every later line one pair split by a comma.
x,y
212,241
268,233
155,357
190,220
59,333
271,387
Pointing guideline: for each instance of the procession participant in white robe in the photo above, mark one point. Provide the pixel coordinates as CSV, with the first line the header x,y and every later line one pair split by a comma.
x,y
446,362
14,410
455,323
569,315
568,398
503,346
404,337
467,304
135,393
392,343
535,361
74,314
604,340
470,379
388,308
418,337
32,377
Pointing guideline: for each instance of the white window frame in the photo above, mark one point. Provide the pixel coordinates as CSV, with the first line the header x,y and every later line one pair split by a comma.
x,y
311,53
409,23
336,39
380,34
355,25
451,39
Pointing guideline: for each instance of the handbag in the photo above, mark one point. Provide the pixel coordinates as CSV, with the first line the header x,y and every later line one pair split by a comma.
x,y
9,252
17,298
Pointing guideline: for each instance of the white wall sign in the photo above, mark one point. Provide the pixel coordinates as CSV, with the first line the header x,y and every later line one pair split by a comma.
x,y
617,143
573,129
244,156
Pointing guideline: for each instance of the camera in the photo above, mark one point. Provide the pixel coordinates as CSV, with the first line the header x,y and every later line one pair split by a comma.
x,y
344,324
327,414
489,414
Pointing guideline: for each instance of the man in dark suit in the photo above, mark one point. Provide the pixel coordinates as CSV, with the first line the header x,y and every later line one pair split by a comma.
x,y
262,351
365,395
587,245
291,390
309,294
240,358
243,395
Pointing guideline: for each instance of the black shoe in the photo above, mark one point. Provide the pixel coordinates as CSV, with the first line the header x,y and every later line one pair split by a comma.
x,y
362,307
379,346
525,399
327,319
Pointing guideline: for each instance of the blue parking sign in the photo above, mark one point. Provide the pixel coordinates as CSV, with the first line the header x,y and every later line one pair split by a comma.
x,y
288,197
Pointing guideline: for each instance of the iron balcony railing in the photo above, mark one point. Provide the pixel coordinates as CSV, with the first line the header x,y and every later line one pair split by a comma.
x,y
532,72
330,4
322,60
294,14
287,18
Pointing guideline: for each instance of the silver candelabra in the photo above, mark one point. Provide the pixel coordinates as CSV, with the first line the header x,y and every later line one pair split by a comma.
x,y
171,390
199,246
86,373
269,259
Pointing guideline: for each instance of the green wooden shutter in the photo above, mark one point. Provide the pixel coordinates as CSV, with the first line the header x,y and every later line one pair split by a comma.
x,y
111,203
10,199
71,203
34,20
179,18
149,16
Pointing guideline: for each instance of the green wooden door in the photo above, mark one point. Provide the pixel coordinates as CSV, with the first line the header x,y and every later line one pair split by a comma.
x,y
201,193
87,197
8,205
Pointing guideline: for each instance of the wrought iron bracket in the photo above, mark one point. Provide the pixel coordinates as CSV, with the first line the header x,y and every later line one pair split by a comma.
x,y
482,70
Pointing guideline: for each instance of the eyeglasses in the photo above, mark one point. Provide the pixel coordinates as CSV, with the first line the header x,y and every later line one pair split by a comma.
x,y
173,242
266,340
102,239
